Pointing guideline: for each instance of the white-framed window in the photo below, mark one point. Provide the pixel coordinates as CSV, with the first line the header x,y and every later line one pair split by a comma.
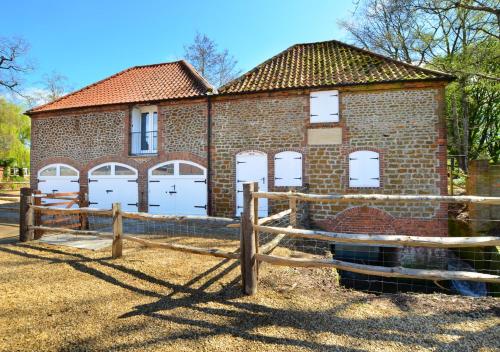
x,y
58,170
177,169
144,130
364,169
112,170
324,106
288,169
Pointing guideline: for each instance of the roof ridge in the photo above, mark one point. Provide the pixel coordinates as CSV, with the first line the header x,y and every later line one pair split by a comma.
x,y
256,67
198,75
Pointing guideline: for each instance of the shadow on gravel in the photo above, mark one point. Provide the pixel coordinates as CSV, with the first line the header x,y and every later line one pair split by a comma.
x,y
245,318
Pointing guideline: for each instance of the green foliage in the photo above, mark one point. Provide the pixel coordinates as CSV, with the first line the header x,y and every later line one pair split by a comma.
x,y
15,129
478,98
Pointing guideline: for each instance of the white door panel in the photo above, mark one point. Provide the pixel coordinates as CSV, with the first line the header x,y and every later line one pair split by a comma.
x,y
106,191
161,197
251,167
179,189
57,183
113,183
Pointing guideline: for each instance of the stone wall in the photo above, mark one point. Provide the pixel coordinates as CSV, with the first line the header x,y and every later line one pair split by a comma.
x,y
404,126
87,137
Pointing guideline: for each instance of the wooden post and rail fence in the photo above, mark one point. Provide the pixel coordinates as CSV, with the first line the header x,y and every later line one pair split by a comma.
x,y
249,252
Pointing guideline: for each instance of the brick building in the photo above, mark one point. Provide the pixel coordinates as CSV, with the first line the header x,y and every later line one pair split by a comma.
x,y
326,116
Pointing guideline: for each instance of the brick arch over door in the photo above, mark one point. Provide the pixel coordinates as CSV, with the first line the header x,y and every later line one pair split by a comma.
x,y
57,160
143,169
363,220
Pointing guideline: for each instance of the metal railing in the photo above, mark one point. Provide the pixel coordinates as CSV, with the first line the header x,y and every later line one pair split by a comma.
x,y
142,143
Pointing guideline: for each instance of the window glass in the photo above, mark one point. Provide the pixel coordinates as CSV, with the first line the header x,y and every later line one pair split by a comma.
x,y
66,171
165,170
188,169
102,171
122,170
50,171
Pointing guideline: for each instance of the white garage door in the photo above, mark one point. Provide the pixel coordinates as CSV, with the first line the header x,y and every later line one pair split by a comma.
x,y
113,183
58,178
251,167
177,187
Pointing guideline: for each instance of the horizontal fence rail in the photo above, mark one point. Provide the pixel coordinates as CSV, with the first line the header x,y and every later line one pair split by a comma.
x,y
375,198
398,272
398,240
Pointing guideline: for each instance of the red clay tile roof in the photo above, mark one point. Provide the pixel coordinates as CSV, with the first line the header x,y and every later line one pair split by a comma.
x,y
323,64
172,80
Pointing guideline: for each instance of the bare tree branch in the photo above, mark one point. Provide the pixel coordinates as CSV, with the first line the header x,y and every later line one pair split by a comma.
x,y
13,62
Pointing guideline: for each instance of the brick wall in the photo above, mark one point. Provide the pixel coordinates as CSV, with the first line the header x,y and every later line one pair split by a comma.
x,y
484,180
404,126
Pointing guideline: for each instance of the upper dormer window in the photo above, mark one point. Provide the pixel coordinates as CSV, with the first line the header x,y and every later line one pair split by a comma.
x,y
144,130
324,106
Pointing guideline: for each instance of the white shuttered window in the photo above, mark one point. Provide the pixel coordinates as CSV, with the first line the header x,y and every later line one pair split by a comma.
x,y
364,169
288,169
324,106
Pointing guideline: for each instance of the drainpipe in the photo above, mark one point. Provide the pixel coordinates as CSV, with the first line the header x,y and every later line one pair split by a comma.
x,y
209,153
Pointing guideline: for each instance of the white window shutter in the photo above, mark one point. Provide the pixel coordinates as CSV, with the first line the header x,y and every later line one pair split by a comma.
x,y
333,105
136,120
324,106
364,169
288,169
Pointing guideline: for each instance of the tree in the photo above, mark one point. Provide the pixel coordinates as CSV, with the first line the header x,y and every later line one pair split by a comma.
x,y
390,28
14,134
217,67
455,36
13,63
52,87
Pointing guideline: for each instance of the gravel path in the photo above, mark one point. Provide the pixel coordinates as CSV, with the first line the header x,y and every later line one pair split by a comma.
x,y
64,299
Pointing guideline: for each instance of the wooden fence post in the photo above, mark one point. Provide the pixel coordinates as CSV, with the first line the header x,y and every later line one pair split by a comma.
x,y
248,240
293,213
24,208
84,218
116,250
37,216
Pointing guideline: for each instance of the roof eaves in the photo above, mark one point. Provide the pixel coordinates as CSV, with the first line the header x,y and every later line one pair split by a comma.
x,y
272,90
386,58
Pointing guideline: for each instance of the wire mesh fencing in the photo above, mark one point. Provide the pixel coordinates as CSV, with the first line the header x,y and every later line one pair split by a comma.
x,y
477,259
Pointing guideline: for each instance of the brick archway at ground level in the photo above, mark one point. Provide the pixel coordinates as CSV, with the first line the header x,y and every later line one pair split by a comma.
x,y
369,220
362,219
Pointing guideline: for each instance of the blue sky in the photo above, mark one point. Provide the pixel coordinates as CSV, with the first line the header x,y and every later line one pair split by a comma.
x,y
89,40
